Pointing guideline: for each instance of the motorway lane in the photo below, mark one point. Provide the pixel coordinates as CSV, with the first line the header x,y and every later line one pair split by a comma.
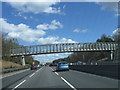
x,y
47,78
43,78
87,80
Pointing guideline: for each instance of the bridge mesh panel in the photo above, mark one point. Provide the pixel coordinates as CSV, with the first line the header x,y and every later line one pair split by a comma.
x,y
117,54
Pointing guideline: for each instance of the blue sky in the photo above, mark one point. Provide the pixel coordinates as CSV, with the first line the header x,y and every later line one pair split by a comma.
x,y
37,23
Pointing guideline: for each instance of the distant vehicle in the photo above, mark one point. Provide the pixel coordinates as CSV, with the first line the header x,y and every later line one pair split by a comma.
x,y
41,65
63,65
53,64
38,66
46,64
33,66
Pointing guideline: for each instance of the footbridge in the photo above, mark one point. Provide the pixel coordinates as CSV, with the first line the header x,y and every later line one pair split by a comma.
x,y
62,48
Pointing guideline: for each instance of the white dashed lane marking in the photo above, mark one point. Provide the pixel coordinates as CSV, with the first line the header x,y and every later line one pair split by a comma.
x,y
65,81
56,73
32,75
19,84
68,83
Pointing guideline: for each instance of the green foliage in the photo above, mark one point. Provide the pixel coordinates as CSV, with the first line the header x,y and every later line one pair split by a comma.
x,y
62,59
7,44
30,60
105,38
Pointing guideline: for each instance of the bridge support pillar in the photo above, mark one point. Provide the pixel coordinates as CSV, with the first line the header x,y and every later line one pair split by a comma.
x,y
111,55
23,60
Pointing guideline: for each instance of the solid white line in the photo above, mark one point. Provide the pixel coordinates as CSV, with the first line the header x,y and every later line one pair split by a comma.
x,y
37,70
40,68
68,83
32,75
19,84
56,73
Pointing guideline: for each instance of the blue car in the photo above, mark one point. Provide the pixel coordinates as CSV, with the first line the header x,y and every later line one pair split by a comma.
x,y
63,65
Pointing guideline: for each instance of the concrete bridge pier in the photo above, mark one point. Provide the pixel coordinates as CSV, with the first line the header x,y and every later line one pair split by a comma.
x,y
23,60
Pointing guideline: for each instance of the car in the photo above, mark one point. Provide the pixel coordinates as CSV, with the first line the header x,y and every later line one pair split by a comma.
x,y
33,67
63,65
38,66
51,65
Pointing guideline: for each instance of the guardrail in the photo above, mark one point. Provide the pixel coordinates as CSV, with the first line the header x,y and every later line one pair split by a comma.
x,y
13,69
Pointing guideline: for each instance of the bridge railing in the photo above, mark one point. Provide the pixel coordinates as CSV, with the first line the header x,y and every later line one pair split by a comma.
x,y
64,47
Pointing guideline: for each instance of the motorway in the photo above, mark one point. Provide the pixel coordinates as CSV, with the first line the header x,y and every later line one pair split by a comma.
x,y
46,77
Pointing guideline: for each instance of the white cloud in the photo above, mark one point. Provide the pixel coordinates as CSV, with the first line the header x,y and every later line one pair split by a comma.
x,y
35,7
54,25
50,57
53,40
25,33
47,40
78,30
116,32
43,26
19,14
65,40
64,6
25,17
21,31
112,6
117,14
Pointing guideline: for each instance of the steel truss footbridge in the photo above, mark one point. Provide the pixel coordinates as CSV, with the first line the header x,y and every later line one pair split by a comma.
x,y
62,48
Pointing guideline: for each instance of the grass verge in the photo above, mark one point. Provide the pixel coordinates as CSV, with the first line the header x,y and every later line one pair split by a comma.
x,y
7,64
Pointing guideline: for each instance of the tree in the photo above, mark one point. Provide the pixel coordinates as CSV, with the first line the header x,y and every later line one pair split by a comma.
x,y
7,44
61,59
105,38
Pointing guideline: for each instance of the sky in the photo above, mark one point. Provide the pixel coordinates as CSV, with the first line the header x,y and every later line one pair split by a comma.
x,y
36,23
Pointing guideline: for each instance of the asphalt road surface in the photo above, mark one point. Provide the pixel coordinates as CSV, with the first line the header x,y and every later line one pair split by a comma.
x,y
46,77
